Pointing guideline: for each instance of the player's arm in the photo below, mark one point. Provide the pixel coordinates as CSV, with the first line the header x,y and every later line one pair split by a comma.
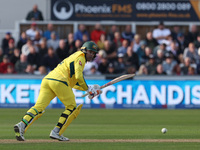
x,y
79,66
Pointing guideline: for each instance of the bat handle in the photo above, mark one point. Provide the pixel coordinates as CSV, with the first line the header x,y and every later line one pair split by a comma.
x,y
84,95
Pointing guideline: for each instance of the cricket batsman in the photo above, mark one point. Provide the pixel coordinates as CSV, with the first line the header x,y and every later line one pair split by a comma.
x,y
59,82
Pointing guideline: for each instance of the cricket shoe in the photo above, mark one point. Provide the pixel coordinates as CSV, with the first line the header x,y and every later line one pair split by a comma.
x,y
19,132
55,135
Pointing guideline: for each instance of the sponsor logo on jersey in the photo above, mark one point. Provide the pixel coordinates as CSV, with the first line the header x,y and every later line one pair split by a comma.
x,y
80,63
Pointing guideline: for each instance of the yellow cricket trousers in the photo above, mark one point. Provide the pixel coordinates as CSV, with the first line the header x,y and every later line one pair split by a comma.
x,y
51,88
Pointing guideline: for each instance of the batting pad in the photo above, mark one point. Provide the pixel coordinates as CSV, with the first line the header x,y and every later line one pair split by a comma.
x,y
71,117
35,118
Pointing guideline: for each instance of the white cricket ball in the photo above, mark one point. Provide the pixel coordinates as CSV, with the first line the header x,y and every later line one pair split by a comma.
x,y
164,130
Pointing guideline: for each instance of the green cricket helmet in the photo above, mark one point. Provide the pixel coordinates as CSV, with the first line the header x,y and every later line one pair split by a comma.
x,y
89,46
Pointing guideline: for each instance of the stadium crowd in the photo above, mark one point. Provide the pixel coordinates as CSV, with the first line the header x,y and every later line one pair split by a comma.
x,y
161,52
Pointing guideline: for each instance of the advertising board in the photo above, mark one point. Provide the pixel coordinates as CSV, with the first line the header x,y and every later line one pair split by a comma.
x,y
125,94
128,10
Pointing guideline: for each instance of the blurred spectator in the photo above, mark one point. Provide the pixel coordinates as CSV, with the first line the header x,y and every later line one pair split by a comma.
x,y
37,39
1,55
159,58
43,48
151,65
111,69
77,47
192,53
42,70
93,71
150,41
103,66
120,63
142,70
100,43
175,31
131,70
117,40
10,69
191,36
16,56
161,47
6,40
167,42
62,51
110,51
29,69
96,33
123,48
34,14
161,33
182,44
198,68
70,44
111,34
177,70
144,59
191,70
187,63
85,38
131,58
197,41
20,65
159,70
10,49
26,47
22,40
81,31
50,60
128,34
169,63
4,64
101,54
181,59
88,66
136,42
31,32
33,58
141,51
50,29
53,41
174,50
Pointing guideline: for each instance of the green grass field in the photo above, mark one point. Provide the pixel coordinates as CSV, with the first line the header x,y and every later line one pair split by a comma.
x,y
140,126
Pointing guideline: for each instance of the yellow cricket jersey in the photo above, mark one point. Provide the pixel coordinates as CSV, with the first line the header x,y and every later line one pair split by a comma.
x,y
70,71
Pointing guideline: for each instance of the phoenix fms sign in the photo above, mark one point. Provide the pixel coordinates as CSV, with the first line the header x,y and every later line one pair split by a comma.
x,y
91,10
125,10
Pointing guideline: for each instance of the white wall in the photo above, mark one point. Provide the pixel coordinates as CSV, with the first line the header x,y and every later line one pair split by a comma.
x,y
12,11
16,10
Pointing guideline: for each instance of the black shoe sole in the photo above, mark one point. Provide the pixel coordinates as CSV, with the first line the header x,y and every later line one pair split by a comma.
x,y
17,134
53,138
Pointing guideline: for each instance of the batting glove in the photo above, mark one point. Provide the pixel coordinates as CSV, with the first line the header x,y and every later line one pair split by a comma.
x,y
93,91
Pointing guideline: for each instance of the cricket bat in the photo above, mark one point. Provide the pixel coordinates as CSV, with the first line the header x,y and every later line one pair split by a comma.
x,y
118,79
